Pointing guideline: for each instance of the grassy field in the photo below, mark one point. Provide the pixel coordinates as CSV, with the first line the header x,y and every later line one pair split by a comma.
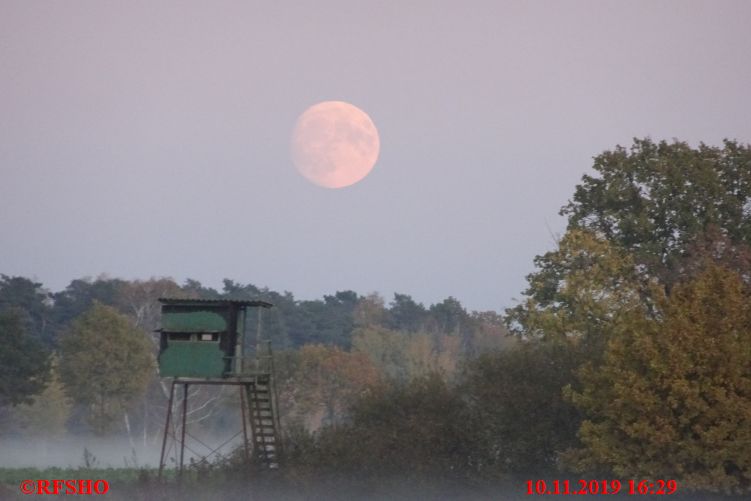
x,y
211,484
112,475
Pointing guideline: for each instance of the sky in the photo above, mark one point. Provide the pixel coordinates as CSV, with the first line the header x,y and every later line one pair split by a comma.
x,y
152,138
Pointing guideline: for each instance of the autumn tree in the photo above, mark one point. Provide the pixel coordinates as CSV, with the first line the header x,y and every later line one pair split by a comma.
x,y
105,364
322,381
401,356
370,311
489,333
672,398
386,349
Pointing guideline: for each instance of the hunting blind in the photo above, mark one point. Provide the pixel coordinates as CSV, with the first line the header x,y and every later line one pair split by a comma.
x,y
203,338
202,342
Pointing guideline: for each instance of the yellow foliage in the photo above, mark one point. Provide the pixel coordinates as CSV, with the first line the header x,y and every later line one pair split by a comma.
x,y
672,398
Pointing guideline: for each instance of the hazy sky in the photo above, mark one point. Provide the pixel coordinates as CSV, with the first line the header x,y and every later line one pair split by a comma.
x,y
151,138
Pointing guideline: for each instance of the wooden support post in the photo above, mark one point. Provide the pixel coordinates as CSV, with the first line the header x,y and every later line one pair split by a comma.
x,y
166,428
246,444
185,414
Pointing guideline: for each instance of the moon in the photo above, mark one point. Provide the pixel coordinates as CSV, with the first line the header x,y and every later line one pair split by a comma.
x,y
334,144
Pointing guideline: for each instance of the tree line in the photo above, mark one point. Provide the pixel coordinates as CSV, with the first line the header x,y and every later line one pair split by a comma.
x,y
85,356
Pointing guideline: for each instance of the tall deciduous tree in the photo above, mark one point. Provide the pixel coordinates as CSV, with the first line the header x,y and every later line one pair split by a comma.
x,y
325,381
138,299
655,199
672,398
665,206
370,311
401,356
105,364
386,349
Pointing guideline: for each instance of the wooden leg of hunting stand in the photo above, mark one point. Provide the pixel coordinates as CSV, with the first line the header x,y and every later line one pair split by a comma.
x,y
185,414
245,425
166,428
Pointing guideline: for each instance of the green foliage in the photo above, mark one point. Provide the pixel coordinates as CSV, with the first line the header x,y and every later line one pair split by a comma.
x,y
80,295
30,298
335,318
46,414
105,364
405,314
646,286
655,199
519,417
24,361
138,299
650,216
449,316
416,431
673,396
15,476
579,291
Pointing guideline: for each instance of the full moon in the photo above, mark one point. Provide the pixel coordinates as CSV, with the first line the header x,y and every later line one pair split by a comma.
x,y
334,144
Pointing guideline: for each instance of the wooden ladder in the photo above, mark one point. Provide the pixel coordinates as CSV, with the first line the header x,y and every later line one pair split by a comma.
x,y
264,422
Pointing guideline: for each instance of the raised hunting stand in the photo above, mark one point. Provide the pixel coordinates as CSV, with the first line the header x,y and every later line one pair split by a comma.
x,y
201,343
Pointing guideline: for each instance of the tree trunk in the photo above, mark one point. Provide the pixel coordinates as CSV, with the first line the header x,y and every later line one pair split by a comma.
x,y
127,429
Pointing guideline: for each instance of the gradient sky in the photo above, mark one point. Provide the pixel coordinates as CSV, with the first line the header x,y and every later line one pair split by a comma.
x,y
151,138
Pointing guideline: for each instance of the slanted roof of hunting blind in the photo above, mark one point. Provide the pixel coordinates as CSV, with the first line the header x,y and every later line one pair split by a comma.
x,y
202,337
238,302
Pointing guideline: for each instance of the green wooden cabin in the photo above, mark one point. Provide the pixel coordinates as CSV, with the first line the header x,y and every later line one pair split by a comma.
x,y
202,338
